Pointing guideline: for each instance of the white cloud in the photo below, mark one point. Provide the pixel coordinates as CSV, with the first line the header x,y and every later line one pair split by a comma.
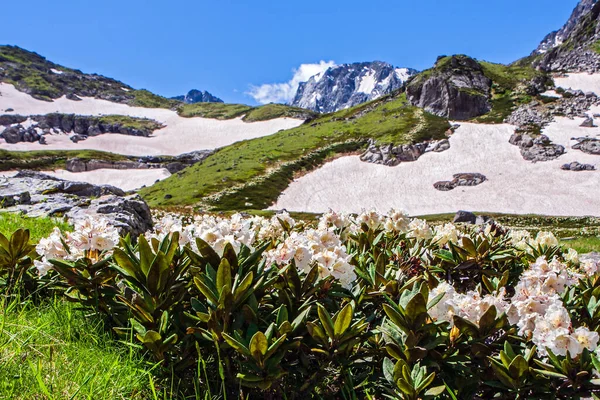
x,y
285,92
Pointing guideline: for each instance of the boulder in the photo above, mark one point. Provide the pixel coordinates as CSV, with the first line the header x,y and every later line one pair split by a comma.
x,y
38,194
587,145
462,179
576,166
588,123
538,148
455,88
465,216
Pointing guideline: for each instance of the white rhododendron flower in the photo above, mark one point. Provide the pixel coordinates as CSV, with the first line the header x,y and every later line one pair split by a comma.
x,y
446,233
571,256
419,229
545,239
93,233
520,239
397,221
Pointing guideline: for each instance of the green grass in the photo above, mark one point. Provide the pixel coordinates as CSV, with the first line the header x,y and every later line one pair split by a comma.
x,y
243,166
224,111
38,227
583,244
146,124
213,110
52,351
144,98
50,159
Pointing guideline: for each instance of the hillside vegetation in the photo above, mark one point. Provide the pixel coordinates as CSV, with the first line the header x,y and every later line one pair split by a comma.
x,y
251,174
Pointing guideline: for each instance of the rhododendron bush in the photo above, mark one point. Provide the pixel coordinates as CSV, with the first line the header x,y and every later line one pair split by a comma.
x,y
349,306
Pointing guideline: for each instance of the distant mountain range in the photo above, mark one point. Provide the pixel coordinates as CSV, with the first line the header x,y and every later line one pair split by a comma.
x,y
347,85
198,96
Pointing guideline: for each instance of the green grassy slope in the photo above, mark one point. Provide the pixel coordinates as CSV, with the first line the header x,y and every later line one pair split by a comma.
x,y
50,159
251,174
223,111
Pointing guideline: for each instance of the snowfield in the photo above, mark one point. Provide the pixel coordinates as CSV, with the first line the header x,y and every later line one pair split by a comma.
x,y
514,185
126,179
580,81
181,135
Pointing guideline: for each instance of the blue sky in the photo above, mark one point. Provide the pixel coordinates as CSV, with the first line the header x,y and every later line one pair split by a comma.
x,y
227,46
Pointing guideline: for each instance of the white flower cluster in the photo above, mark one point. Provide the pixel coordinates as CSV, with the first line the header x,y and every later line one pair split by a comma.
x,y
523,240
536,308
470,306
91,236
321,247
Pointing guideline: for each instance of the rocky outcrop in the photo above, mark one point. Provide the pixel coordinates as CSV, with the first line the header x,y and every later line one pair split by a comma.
x,y
197,96
574,49
172,164
576,166
538,148
391,155
556,38
80,126
462,179
455,88
587,145
348,85
38,194
588,123
571,104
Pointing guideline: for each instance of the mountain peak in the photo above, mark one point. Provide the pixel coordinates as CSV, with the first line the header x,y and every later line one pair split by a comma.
x,y
347,85
556,38
198,96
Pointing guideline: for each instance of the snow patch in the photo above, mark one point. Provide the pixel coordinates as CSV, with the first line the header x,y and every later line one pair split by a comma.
x,y
181,135
580,81
126,179
514,185
367,83
56,71
402,74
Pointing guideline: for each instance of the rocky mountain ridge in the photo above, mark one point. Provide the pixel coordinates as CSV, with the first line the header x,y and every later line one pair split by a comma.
x,y
198,96
348,85
556,38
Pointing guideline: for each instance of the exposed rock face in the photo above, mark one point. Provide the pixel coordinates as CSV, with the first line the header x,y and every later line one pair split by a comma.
x,y
455,88
347,85
574,47
556,38
576,166
462,179
465,216
37,194
538,148
587,145
391,155
572,104
82,126
172,164
588,123
197,96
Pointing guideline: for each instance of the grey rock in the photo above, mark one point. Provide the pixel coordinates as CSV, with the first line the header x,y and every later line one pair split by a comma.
x,y
37,194
576,166
587,145
391,155
553,39
456,89
588,123
465,216
197,96
462,179
538,148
